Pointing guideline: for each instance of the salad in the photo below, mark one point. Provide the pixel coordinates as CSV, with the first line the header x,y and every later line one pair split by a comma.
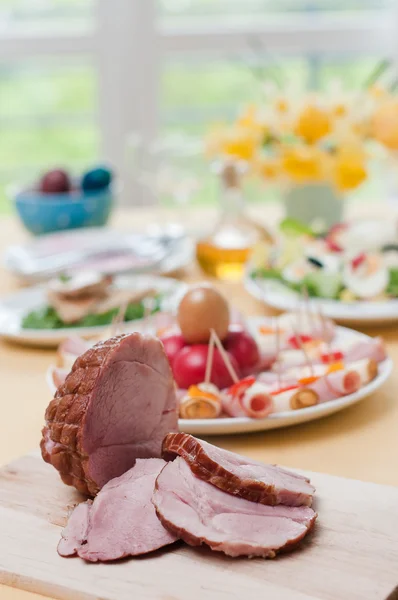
x,y
350,262
88,299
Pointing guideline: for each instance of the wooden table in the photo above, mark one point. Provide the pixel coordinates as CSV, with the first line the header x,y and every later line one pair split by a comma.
x,y
360,442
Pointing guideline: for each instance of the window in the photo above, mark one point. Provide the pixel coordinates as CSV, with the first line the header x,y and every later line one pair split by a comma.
x,y
77,76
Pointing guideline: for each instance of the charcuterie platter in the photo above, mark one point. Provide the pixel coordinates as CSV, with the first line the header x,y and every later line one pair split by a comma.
x,y
236,374
228,425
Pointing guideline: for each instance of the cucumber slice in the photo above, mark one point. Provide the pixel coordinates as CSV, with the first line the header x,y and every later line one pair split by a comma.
x,y
292,227
323,284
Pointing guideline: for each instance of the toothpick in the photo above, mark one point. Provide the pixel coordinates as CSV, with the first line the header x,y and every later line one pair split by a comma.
x,y
118,319
148,312
278,349
304,351
307,306
298,312
209,361
225,357
325,331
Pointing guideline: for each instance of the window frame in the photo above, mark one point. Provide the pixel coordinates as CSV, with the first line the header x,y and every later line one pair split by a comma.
x,y
128,64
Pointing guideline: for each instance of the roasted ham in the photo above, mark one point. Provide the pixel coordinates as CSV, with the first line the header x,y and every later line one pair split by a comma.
x,y
116,405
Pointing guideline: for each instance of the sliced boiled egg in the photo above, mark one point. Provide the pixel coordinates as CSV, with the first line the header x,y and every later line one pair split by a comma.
x,y
367,235
366,275
297,270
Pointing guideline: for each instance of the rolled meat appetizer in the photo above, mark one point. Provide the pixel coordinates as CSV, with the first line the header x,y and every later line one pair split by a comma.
x,y
294,398
69,350
248,398
202,401
366,368
372,349
337,384
308,323
59,375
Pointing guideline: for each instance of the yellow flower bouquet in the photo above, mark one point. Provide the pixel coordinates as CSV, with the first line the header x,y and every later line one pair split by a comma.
x,y
316,138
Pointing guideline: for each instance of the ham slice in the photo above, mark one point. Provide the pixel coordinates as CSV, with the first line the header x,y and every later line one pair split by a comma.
x,y
69,350
75,534
199,513
237,475
121,521
367,368
254,402
371,348
338,384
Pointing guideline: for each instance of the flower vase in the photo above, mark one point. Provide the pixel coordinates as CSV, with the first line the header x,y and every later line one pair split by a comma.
x,y
316,204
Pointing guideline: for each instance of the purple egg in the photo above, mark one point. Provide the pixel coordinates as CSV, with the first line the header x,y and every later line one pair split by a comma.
x,y
55,182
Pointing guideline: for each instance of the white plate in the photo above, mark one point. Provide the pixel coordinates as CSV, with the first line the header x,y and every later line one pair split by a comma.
x,y
279,296
282,419
15,306
162,250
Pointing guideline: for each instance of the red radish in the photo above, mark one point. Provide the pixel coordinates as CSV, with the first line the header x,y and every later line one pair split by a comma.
x,y
334,231
333,246
358,260
189,367
172,343
243,348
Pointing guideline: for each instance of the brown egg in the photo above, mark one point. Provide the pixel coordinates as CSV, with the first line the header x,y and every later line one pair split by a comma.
x,y
201,309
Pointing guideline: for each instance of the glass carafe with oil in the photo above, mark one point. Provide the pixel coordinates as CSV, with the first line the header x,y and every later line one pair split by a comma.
x,y
224,252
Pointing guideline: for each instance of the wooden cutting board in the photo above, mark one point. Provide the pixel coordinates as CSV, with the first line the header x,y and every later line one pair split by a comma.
x,y
352,554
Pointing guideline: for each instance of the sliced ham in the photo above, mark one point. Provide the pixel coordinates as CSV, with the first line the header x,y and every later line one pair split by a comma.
x,y
119,298
121,521
72,310
75,534
116,405
338,384
289,360
294,399
368,348
367,368
307,323
254,402
59,375
199,513
69,350
81,284
237,475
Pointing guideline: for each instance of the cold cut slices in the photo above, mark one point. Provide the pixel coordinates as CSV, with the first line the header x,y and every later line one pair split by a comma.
x,y
237,475
199,513
75,534
121,521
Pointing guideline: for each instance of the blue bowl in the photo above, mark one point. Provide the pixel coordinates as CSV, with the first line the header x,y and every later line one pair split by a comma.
x,y
46,213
